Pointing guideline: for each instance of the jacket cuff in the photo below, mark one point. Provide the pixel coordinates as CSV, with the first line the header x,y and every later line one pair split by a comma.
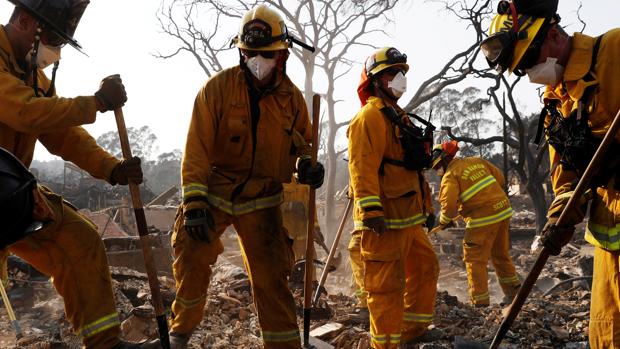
x,y
194,189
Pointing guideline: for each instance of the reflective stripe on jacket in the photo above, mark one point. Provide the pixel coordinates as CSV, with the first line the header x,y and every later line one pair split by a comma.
x,y
473,188
382,189
222,153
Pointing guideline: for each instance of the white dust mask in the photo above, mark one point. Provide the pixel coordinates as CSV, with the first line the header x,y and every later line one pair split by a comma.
x,y
260,66
46,56
547,73
398,85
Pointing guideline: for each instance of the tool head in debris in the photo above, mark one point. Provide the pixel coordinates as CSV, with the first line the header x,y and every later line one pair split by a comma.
x,y
16,199
58,19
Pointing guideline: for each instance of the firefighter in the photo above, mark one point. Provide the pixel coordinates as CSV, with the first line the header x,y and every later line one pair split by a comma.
x,y
400,268
582,96
473,189
248,133
31,112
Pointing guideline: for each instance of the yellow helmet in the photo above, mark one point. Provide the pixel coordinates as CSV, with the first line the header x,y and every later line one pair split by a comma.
x,y
384,58
512,35
262,29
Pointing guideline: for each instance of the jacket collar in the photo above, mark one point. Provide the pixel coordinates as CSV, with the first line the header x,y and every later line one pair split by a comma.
x,y
6,53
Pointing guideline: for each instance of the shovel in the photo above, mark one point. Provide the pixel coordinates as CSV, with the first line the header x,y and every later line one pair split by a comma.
x,y
530,280
312,343
149,262
332,252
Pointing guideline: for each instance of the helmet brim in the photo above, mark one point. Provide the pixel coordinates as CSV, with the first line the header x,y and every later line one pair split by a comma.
x,y
68,38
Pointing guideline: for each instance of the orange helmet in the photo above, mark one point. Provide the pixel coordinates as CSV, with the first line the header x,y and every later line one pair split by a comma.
x,y
441,151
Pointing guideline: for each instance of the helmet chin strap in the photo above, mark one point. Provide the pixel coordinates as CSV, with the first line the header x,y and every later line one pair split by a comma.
x,y
34,67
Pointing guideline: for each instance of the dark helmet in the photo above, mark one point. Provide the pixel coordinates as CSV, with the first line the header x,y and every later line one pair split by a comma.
x,y
58,17
16,199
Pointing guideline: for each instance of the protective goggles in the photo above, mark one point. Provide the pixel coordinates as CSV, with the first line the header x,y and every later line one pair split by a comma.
x,y
257,33
392,56
254,53
498,49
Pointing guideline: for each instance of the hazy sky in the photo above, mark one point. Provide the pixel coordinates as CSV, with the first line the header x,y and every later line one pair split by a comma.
x,y
121,36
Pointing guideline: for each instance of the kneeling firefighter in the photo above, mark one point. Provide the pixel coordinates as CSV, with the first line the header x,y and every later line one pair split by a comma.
x,y
473,188
387,154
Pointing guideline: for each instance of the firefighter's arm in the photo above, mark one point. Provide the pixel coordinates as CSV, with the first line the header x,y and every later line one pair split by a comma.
x,y
196,164
74,144
367,138
448,198
25,113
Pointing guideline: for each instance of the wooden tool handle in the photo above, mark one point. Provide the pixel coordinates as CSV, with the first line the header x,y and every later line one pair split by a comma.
x,y
149,261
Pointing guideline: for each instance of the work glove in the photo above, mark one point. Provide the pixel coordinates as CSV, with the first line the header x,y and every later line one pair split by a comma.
x,y
430,221
127,171
308,174
111,94
554,237
376,224
198,220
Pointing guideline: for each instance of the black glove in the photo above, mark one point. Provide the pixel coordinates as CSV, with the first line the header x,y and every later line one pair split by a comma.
x,y
127,171
555,237
430,221
308,174
198,219
111,94
377,224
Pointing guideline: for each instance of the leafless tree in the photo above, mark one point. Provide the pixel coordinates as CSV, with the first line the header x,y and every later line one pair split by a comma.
x,y
528,161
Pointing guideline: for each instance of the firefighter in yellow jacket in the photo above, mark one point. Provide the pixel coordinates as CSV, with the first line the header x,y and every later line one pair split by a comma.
x,y
400,267
582,97
473,189
30,111
249,127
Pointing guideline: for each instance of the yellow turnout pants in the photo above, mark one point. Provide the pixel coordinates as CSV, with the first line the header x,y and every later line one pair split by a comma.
x,y
268,259
400,277
605,305
484,243
70,250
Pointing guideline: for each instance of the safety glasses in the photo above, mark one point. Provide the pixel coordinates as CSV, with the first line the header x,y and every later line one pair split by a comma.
x,y
254,53
497,49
